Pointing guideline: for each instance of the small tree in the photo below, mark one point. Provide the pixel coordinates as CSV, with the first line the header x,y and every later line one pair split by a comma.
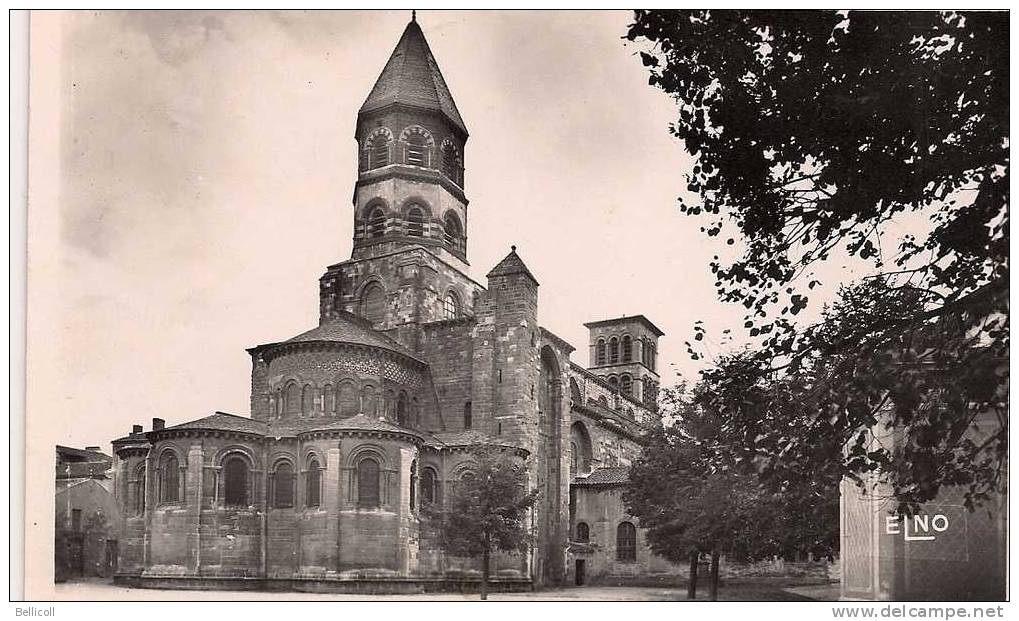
x,y
485,510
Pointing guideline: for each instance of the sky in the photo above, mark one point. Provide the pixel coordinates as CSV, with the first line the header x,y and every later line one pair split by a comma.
x,y
206,167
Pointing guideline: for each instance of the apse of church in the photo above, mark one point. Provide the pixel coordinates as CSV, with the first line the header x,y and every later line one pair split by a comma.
x,y
358,422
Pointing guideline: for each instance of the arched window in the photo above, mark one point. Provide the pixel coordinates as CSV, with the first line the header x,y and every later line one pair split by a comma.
x,y
599,352
283,486
614,382
451,163
626,384
583,532
348,401
279,403
292,398
169,478
575,392
626,542
307,399
401,409
580,449
329,399
413,484
368,483
377,223
139,490
613,350
378,150
417,149
468,416
415,221
369,402
429,492
450,306
373,303
453,232
235,481
627,348
602,401
644,351
313,484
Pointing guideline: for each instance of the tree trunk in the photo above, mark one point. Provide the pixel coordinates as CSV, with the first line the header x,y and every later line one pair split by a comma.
x,y
691,589
713,589
484,570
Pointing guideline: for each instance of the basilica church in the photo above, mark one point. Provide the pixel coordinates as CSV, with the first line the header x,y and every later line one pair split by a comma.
x,y
358,423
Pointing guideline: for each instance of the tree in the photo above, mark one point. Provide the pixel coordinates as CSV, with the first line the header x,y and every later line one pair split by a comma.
x,y
486,510
817,134
691,491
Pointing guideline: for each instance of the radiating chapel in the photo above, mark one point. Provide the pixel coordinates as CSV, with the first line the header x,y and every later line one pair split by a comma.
x,y
366,418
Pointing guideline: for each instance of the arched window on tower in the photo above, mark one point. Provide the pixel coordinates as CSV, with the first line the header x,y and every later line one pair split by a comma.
x,y
313,484
373,303
378,150
614,382
451,166
626,542
415,221
368,483
235,482
377,223
627,348
599,353
450,306
453,232
626,384
417,149
613,350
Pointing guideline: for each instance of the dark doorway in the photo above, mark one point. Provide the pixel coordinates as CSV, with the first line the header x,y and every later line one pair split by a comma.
x,y
76,555
580,574
111,557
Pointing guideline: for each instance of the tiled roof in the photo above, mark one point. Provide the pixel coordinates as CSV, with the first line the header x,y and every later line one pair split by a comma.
x,y
221,421
353,423
74,454
412,77
347,328
605,476
512,264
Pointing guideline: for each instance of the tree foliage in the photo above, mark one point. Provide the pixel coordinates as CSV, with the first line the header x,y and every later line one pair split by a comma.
x,y
820,134
693,492
486,510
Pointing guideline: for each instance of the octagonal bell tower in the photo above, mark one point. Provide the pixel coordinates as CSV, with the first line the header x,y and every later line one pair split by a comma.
x,y
410,139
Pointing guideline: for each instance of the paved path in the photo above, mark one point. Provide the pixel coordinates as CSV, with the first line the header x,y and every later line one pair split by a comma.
x,y
102,590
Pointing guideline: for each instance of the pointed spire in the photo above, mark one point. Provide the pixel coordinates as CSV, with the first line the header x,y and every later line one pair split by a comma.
x,y
412,77
512,264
